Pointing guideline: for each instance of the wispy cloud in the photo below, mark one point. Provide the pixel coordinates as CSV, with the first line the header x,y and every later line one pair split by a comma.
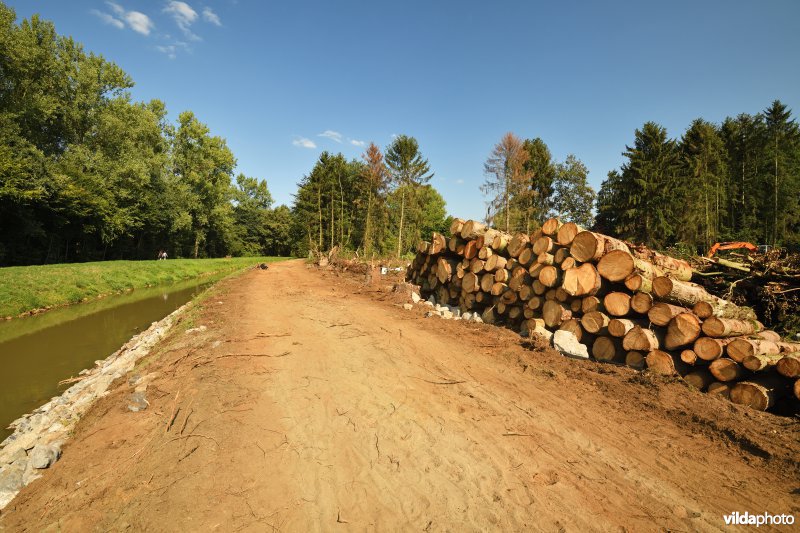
x,y
460,181
210,16
171,50
108,19
184,16
332,135
303,142
136,20
356,142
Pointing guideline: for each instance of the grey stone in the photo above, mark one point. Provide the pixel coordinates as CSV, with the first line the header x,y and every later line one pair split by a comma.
x,y
428,303
446,314
467,316
567,343
44,455
415,297
11,477
477,318
137,402
432,299
542,332
408,307
6,496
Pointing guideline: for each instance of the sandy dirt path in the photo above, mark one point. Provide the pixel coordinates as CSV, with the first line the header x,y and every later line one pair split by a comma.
x,y
314,403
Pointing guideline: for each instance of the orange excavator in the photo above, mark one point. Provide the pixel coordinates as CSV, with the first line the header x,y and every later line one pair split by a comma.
x,y
719,246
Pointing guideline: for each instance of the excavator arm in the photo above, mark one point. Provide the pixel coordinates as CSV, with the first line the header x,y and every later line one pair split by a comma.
x,y
732,246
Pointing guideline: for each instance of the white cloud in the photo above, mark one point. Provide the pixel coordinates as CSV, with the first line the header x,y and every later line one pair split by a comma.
x,y
302,142
184,16
137,21
168,50
460,181
108,19
332,135
356,142
211,17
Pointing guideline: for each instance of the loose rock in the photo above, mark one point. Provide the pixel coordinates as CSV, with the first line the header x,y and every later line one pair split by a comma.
x,y
567,343
137,402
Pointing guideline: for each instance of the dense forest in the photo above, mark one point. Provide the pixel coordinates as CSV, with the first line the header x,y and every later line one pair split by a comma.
x,y
86,173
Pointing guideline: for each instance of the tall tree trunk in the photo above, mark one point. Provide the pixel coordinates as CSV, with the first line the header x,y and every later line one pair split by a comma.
x,y
775,207
196,243
402,213
367,226
319,209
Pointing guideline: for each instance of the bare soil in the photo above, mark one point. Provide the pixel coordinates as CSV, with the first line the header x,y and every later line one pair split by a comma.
x,y
314,402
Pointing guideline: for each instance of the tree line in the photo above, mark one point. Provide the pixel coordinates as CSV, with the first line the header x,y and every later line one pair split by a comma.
x,y
734,181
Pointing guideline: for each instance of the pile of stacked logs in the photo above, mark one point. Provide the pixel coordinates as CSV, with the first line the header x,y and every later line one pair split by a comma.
x,y
627,304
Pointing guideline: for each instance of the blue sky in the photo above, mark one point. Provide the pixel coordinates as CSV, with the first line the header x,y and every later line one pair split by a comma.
x,y
282,81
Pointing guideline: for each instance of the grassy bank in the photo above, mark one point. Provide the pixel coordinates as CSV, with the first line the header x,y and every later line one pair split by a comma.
x,y
24,289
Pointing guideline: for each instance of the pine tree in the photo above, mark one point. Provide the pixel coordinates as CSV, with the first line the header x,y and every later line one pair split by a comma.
x,y
409,172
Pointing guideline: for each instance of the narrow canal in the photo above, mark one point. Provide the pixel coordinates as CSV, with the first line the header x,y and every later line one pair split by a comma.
x,y
39,351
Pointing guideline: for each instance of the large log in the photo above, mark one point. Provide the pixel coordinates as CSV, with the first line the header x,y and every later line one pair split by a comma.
x,y
568,262
456,226
562,254
759,362
517,244
500,241
566,233
590,246
641,339
608,349
471,249
743,347
476,265
470,282
525,256
674,268
617,265
550,276
664,363
554,313
472,229
498,289
689,294
689,357
485,253
635,359
582,281
502,275
709,348
641,302
595,321
759,392
682,330
722,310
445,268
725,369
551,226
591,303
543,245
700,379
661,313
438,243
487,280
789,365
617,303
618,327
636,282
494,262
729,327
573,325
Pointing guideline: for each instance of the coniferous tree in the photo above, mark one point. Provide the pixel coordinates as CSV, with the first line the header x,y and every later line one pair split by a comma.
x,y
409,172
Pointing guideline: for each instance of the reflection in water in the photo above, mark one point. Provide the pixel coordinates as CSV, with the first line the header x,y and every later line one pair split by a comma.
x,y
39,351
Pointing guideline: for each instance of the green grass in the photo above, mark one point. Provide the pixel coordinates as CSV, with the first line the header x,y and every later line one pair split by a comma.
x,y
24,289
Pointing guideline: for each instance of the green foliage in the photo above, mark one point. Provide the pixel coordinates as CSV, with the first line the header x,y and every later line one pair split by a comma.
x,y
573,198
739,181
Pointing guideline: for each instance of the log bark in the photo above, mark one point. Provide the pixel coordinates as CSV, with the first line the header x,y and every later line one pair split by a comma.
x,y
438,243
674,268
641,302
546,259
635,359
661,313
582,281
682,330
617,303
729,327
789,365
759,392
554,313
664,363
566,233
617,265
641,339
689,294
608,349
709,348
636,282
595,321
700,379
728,310
590,246
725,369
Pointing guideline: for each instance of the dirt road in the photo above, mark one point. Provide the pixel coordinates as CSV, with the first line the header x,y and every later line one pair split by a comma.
x,y
314,403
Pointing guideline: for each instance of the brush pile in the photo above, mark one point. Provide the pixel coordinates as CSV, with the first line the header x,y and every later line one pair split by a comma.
x,y
627,304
